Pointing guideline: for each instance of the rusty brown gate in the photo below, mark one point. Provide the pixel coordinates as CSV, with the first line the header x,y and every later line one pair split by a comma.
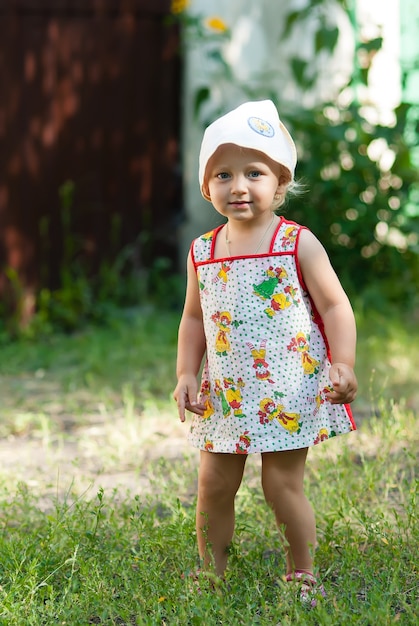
x,y
89,103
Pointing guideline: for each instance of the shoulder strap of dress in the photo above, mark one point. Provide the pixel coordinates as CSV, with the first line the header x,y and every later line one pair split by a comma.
x,y
201,247
286,239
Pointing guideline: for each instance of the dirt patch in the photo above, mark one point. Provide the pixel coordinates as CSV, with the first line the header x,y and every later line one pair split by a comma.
x,y
109,453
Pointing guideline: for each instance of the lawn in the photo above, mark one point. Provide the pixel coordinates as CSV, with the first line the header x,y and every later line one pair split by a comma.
x,y
120,554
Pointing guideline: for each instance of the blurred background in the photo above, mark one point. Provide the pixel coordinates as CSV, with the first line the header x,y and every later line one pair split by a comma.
x,y
102,108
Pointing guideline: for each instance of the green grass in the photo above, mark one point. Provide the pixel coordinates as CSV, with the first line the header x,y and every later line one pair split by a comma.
x,y
387,360
112,557
68,376
117,560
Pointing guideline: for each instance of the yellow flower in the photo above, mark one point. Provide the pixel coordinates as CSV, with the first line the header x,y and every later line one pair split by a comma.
x,y
216,23
179,6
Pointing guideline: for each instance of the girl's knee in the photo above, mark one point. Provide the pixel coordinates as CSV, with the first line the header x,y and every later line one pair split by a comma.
x,y
214,487
282,487
283,472
281,492
217,482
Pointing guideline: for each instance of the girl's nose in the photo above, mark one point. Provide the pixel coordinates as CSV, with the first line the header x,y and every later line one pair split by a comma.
x,y
238,184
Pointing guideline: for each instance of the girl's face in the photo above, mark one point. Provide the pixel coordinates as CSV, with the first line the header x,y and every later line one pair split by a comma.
x,y
241,182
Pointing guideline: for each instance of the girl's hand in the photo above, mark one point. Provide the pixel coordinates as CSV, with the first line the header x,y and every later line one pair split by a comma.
x,y
185,395
344,383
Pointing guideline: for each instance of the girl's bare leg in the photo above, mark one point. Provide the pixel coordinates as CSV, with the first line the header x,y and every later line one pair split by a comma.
x,y
282,481
219,478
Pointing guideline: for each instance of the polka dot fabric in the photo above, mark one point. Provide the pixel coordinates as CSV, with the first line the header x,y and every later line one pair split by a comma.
x,y
266,374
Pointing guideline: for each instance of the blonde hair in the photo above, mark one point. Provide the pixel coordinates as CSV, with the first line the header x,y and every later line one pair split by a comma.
x,y
288,185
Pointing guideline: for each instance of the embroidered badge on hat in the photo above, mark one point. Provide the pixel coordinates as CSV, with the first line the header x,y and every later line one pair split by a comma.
x,y
261,126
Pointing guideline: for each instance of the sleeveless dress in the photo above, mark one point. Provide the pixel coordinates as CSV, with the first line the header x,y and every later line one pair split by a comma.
x,y
266,372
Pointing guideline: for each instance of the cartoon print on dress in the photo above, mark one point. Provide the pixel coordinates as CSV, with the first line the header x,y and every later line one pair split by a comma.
x,y
321,398
222,275
201,284
207,236
290,235
300,343
223,321
206,400
243,445
269,411
266,288
259,363
283,300
233,395
323,435
209,446
225,407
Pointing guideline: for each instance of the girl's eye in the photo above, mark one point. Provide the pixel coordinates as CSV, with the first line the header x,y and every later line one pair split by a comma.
x,y
222,175
254,174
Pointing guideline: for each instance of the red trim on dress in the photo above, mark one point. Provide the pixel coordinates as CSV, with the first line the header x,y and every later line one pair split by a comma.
x,y
316,316
214,239
193,254
271,245
217,230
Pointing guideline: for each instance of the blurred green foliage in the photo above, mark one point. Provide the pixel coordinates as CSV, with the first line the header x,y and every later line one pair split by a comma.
x,y
359,180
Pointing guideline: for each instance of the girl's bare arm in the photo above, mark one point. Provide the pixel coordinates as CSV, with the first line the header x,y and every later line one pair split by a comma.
x,y
336,312
191,348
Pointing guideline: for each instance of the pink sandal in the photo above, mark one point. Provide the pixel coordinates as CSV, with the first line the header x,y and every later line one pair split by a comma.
x,y
310,591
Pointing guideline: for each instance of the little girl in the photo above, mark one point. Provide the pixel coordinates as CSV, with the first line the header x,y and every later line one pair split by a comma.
x,y
266,308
